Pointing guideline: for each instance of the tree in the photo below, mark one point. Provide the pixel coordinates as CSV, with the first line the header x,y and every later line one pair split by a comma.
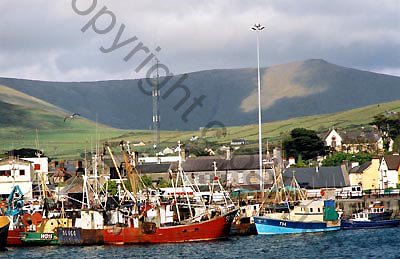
x,y
303,142
396,144
112,187
200,147
337,158
164,184
147,181
389,127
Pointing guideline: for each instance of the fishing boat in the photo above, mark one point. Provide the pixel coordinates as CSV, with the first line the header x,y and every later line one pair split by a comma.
x,y
184,218
87,230
14,212
374,217
148,232
243,224
308,216
43,231
4,225
291,213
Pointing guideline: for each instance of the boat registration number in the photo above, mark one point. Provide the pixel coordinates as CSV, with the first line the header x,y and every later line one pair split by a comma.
x,y
46,236
282,224
69,233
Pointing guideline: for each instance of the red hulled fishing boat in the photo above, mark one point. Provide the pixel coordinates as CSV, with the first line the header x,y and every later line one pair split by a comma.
x,y
216,228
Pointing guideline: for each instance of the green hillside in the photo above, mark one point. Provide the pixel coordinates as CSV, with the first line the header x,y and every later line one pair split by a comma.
x,y
71,139
26,121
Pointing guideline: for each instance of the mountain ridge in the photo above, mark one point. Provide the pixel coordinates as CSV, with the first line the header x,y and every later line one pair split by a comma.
x,y
300,88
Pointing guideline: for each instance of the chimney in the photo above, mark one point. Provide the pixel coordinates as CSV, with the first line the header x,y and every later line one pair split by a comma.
x,y
228,153
61,164
347,164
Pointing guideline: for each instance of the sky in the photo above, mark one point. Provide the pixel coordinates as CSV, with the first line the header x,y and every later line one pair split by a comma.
x,y
63,40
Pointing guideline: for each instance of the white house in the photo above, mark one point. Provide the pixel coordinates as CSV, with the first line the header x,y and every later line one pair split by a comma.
x,y
333,139
16,172
388,171
364,140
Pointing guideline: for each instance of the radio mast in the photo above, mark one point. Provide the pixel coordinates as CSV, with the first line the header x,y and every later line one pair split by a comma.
x,y
156,111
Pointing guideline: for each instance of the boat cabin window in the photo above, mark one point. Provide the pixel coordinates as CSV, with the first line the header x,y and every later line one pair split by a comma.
x,y
311,210
319,209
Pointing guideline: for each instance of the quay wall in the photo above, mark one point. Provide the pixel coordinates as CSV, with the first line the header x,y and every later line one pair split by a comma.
x,y
350,206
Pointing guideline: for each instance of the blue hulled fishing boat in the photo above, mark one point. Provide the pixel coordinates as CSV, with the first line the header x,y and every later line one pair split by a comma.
x,y
308,216
374,217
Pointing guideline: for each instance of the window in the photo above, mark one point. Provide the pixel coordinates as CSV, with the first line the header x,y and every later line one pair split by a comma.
x,y
36,166
5,173
311,209
21,172
319,209
240,176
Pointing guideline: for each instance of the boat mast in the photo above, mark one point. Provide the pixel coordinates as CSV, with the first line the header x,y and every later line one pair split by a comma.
x,y
258,27
180,173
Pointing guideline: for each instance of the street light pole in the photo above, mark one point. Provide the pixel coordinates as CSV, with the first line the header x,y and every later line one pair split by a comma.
x,y
258,27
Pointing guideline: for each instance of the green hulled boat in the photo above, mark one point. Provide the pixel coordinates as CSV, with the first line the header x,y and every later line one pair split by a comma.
x,y
39,238
45,233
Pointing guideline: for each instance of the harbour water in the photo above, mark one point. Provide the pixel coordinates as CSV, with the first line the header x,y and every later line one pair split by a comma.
x,y
364,243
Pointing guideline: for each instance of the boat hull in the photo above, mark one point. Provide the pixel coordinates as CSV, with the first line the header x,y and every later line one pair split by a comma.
x,y
14,237
217,228
38,238
4,225
267,226
243,229
78,236
345,224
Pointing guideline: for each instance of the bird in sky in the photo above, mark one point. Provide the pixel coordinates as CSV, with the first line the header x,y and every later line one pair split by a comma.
x,y
71,116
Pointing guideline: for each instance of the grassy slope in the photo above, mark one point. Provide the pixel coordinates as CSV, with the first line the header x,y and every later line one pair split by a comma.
x,y
68,139
273,130
23,119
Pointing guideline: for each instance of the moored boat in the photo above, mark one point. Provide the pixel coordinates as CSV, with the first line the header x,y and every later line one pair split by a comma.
x,y
87,230
374,217
4,224
308,216
212,229
243,224
45,233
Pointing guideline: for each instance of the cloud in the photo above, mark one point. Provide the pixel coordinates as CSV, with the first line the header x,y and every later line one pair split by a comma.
x,y
43,39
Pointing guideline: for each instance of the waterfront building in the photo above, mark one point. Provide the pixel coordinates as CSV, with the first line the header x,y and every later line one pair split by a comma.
x,y
318,177
389,171
370,179
13,172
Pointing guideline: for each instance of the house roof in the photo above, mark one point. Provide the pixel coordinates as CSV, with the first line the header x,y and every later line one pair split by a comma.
x,y
312,178
237,162
392,161
16,161
153,168
361,168
325,135
361,136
